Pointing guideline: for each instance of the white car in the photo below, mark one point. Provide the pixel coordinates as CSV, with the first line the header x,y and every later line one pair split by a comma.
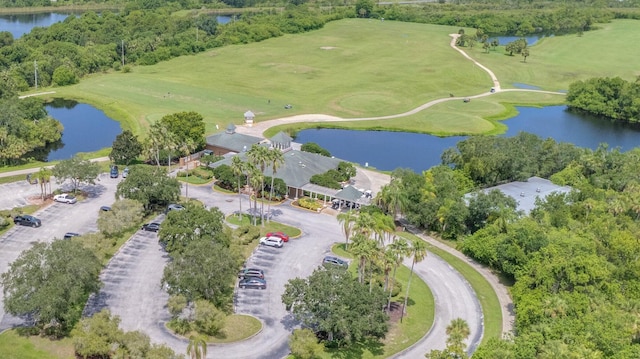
x,y
65,198
272,242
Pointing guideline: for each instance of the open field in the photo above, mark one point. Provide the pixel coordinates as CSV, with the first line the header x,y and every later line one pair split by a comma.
x,y
351,68
358,68
556,62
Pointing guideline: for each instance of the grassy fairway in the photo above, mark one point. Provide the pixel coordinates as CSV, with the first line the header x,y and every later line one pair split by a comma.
x,y
558,61
14,346
350,68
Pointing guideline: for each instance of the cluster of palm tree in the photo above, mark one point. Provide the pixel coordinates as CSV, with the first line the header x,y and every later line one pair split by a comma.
x,y
378,249
259,159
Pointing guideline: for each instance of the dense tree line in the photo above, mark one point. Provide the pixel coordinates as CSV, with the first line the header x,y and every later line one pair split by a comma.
x,y
574,258
614,98
91,43
24,128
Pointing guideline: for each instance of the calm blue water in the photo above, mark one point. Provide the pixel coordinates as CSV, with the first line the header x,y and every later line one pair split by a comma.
x,y
86,129
21,24
503,40
389,150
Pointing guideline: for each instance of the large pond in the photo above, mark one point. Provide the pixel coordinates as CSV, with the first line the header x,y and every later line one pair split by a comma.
x,y
389,150
86,129
21,24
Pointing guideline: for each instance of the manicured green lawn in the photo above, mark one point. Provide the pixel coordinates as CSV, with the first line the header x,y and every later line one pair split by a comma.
x,y
350,68
556,62
14,346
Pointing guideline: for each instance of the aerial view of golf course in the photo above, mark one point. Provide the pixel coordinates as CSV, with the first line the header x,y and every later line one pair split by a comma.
x,y
558,279
359,68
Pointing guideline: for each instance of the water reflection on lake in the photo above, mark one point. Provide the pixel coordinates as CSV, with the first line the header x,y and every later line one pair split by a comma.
x,y
20,24
86,129
389,150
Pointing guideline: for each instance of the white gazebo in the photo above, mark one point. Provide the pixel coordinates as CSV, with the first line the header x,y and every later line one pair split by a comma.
x,y
248,118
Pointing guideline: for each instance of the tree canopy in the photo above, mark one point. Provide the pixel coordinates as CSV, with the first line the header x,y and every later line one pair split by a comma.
x,y
332,302
150,186
77,171
192,224
614,98
50,283
125,148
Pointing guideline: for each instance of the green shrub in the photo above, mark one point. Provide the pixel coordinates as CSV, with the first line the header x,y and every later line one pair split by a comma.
x,y
309,203
179,326
247,233
181,174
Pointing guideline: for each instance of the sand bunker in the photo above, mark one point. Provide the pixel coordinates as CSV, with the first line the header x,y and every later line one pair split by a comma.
x,y
327,47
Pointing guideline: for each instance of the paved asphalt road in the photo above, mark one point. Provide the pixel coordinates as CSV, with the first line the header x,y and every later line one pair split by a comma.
x,y
132,278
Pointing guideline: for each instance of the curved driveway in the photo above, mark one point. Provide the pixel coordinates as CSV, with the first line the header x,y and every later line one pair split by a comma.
x,y
132,285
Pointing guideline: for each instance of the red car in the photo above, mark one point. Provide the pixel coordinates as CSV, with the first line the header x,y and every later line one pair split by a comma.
x,y
284,237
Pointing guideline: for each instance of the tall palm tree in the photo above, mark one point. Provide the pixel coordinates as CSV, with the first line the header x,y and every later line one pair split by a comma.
x,y
197,348
457,332
418,251
392,198
400,249
257,179
276,159
259,156
347,220
44,177
363,248
186,148
237,166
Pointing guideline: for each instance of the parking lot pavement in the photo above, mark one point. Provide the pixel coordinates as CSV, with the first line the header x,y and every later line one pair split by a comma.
x,y
131,288
57,219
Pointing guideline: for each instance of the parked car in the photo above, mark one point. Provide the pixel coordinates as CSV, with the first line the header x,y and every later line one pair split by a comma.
x,y
65,198
125,172
70,235
114,171
253,282
272,242
151,227
27,220
334,261
280,235
251,273
173,207
105,208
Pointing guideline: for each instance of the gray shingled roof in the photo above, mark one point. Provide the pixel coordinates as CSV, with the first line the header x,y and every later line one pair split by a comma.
x,y
298,166
235,142
281,137
349,193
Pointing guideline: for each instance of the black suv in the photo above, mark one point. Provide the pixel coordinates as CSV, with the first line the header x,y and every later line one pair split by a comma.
x,y
26,220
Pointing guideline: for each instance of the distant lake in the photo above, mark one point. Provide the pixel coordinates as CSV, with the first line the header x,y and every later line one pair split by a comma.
x,y
531,39
387,151
21,24
86,129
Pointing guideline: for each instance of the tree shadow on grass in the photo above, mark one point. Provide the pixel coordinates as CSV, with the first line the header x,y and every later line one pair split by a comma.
x,y
358,350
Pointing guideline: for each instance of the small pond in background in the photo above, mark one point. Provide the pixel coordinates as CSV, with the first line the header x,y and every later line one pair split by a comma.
x,y
20,24
86,129
387,151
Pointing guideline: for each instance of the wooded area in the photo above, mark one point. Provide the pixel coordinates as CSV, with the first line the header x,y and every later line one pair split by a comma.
x,y
574,258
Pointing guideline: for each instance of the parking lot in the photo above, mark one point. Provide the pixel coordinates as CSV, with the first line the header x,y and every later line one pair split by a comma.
x,y
57,219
